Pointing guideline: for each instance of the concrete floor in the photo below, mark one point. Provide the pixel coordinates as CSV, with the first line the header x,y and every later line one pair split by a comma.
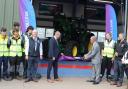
x,y
68,83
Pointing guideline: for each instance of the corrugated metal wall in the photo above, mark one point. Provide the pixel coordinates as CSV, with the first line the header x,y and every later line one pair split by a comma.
x,y
9,13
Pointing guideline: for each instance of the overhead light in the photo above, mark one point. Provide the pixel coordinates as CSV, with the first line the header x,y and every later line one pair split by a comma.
x,y
104,1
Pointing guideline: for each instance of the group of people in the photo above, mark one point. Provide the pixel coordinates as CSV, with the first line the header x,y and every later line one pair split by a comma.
x,y
17,48
110,59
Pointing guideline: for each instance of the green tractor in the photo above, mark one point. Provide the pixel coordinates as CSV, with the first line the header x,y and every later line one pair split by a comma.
x,y
75,38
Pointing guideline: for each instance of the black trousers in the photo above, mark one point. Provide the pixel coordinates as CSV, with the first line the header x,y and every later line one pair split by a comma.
x,y
106,65
15,64
53,64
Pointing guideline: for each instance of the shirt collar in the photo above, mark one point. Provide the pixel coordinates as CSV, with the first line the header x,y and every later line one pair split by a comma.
x,y
94,43
34,38
55,37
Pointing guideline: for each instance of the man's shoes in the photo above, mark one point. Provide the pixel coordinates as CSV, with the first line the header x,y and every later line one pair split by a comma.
x,y
95,83
58,79
24,77
119,84
10,78
27,80
50,81
109,80
90,81
34,80
18,77
100,79
113,83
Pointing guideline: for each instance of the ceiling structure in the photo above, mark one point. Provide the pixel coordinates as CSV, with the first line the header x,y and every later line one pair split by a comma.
x,y
94,12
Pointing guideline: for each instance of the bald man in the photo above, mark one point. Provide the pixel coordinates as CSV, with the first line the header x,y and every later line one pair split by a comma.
x,y
54,53
33,52
95,57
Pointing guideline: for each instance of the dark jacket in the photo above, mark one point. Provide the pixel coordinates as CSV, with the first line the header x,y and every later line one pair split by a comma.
x,y
53,48
121,48
32,52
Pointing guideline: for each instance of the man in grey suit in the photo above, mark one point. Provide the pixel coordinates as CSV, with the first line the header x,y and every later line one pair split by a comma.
x,y
95,57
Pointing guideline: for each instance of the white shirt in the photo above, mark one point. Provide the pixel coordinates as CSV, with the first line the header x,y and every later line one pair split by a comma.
x,y
55,37
56,40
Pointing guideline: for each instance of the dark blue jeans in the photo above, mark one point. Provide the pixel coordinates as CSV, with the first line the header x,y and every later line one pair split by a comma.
x,y
32,67
25,65
4,61
118,71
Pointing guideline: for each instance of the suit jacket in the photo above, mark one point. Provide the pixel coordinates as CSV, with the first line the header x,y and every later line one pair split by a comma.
x,y
94,54
53,48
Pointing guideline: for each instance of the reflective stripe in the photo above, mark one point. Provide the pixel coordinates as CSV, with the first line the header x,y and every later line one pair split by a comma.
x,y
16,51
3,51
16,44
108,47
3,44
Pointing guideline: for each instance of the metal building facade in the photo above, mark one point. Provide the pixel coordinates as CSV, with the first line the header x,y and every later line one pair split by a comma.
x,y
9,13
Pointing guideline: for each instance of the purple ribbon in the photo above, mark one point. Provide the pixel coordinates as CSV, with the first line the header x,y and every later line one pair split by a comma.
x,y
69,58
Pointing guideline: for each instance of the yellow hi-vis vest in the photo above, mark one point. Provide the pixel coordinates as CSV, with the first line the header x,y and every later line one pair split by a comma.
x,y
4,51
15,48
108,49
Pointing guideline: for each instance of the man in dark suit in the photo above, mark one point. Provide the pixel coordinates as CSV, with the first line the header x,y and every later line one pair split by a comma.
x,y
53,54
